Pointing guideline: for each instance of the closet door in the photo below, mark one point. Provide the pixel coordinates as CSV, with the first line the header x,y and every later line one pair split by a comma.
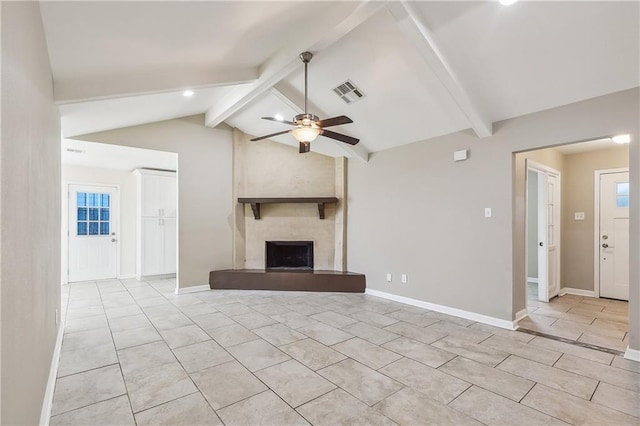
x,y
169,245
169,196
152,246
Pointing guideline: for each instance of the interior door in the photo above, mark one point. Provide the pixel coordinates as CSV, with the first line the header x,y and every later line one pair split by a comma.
x,y
92,233
548,235
614,235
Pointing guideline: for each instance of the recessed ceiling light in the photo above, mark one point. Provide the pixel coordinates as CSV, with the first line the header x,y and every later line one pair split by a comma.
x,y
188,93
279,117
507,2
622,139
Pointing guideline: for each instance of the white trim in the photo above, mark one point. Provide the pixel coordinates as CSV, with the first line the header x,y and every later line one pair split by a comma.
x,y
485,319
632,354
126,277
577,292
521,314
532,280
596,224
193,289
47,402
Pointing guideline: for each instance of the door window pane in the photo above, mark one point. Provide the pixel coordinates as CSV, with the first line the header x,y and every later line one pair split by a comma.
x,y
104,228
622,194
81,199
93,213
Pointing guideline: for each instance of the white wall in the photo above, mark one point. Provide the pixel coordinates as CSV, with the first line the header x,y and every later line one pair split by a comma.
x,y
204,188
532,224
126,181
413,210
30,214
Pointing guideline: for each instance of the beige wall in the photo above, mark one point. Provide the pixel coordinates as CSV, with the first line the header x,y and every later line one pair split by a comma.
x,y
204,188
578,196
126,181
413,210
30,215
269,169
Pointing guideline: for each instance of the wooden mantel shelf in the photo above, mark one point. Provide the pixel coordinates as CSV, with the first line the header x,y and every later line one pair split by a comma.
x,y
255,202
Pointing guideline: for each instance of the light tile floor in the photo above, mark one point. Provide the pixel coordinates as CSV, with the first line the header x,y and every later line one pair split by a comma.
x,y
587,320
135,353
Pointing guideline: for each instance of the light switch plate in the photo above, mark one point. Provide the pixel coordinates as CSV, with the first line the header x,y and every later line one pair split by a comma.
x,y
388,278
487,212
578,215
404,278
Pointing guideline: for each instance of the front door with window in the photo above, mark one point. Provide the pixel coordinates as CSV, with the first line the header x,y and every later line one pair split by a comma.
x,y
92,233
614,235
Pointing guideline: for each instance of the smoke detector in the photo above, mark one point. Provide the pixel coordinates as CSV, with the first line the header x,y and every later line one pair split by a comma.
x,y
348,92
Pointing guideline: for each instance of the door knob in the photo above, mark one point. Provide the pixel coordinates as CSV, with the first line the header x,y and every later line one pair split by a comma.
x,y
113,240
605,245
541,244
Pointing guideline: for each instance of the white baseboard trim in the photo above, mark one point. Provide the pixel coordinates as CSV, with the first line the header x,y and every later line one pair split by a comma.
x,y
192,289
485,319
577,292
126,276
532,280
632,354
47,402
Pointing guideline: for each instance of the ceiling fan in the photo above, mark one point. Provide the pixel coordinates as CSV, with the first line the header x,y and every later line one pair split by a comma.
x,y
307,126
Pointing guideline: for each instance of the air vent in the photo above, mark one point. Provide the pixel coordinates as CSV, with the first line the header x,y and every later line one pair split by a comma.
x,y
76,151
348,92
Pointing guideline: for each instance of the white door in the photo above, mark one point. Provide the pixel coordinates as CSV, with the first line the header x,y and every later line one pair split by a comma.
x,y
92,233
169,245
548,233
614,235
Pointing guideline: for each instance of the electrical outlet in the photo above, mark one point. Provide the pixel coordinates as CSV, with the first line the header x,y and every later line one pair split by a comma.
x,y
404,278
389,278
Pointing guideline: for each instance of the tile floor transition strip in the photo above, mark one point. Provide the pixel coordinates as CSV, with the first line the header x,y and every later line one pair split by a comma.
x,y
572,342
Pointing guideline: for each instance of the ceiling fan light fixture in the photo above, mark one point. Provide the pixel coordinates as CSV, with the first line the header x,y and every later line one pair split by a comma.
x,y
305,134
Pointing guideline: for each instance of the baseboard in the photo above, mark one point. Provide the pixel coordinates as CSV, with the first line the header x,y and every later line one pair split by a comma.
x,y
126,276
532,280
193,289
522,314
632,354
47,402
485,319
577,292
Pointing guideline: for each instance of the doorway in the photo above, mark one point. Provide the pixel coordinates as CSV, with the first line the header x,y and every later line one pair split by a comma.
x,y
544,225
612,234
93,232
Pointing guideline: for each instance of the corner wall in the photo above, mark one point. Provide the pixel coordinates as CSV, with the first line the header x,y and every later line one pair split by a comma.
x,y
30,215
204,188
413,210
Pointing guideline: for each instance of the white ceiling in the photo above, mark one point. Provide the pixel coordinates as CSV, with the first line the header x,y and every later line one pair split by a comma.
x,y
595,145
427,68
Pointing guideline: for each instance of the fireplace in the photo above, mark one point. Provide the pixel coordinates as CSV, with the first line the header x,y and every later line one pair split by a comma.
x,y
289,255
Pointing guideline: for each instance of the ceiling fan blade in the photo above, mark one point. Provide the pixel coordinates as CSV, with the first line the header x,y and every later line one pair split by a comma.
x,y
339,137
334,121
305,147
291,123
268,136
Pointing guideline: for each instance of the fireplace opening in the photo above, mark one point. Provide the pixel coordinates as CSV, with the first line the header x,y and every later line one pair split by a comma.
x,y
289,255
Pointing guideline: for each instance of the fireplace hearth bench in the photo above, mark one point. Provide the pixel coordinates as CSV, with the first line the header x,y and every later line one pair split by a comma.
x,y
287,280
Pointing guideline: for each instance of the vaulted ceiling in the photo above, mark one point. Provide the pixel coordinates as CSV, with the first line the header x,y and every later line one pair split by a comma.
x,y
426,68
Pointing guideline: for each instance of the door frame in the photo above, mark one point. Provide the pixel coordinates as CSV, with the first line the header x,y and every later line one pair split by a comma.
x,y
540,168
66,230
596,223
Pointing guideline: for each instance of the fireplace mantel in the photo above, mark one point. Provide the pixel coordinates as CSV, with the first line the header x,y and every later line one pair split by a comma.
x,y
256,202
